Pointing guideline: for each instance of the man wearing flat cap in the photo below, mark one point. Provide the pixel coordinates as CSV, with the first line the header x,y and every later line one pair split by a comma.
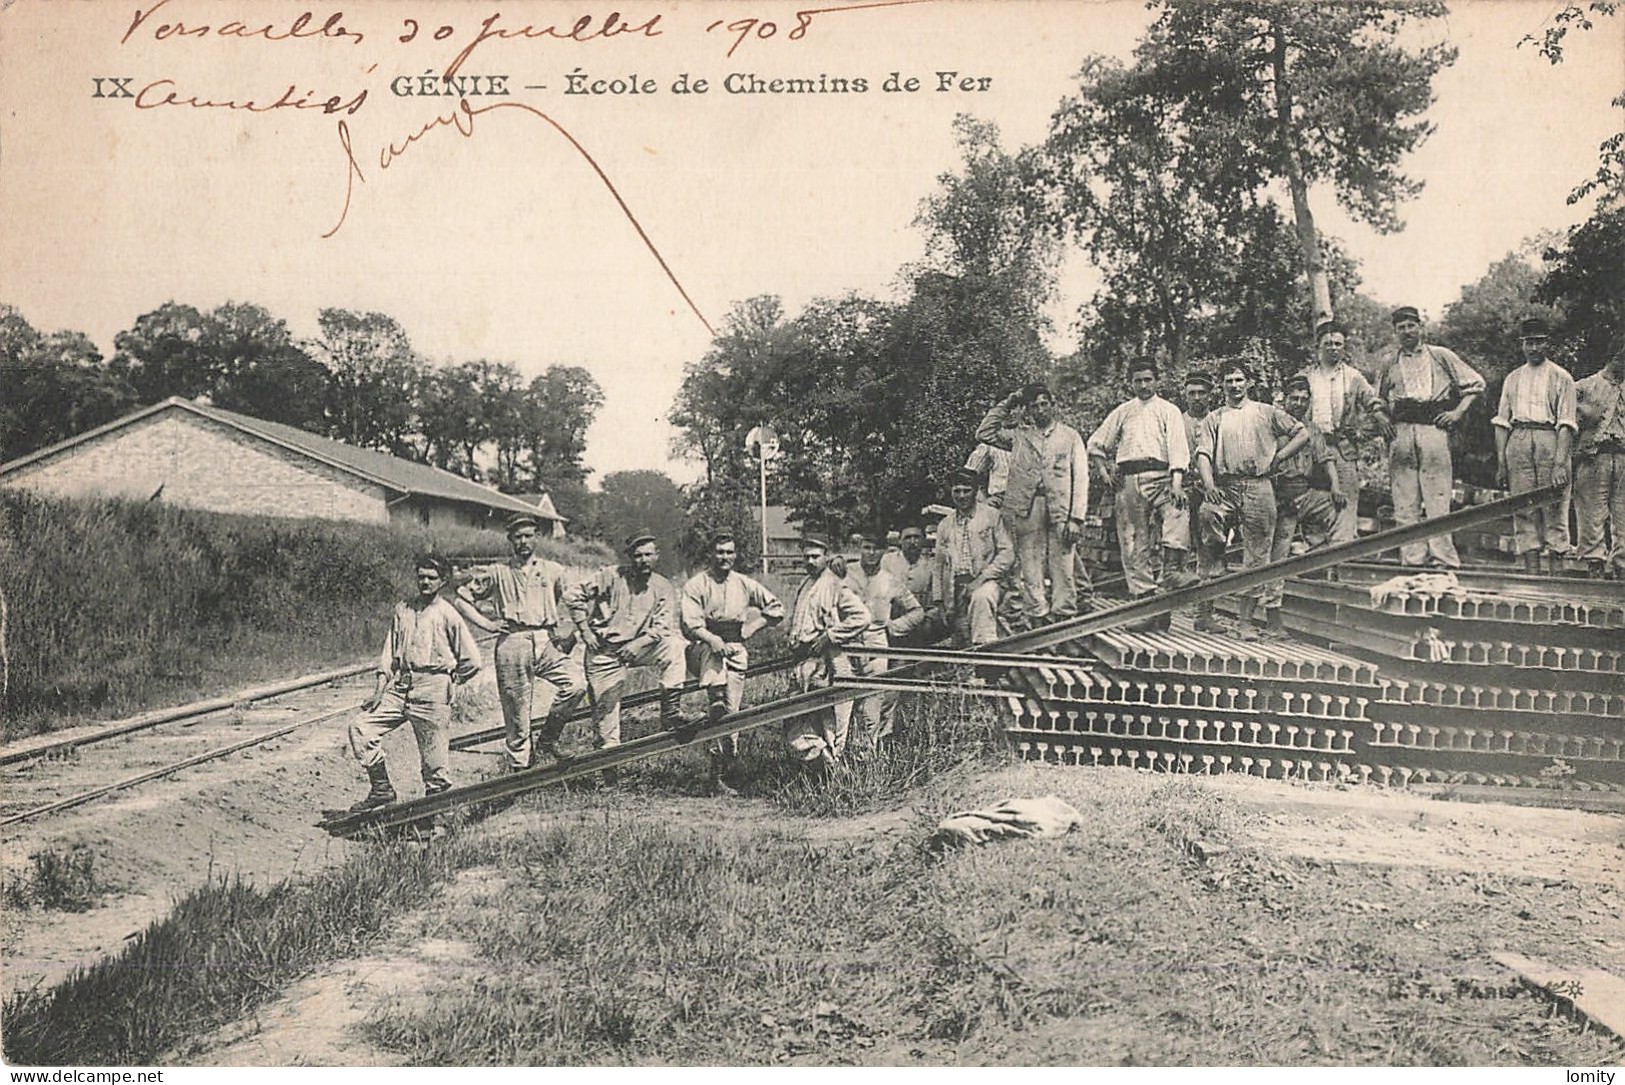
x,y
1428,391
1342,404
527,593
975,555
827,618
720,610
1534,435
625,615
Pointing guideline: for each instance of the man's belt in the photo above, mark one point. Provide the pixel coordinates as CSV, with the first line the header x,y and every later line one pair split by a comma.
x,y
420,668
730,632
509,626
1140,467
1534,425
1419,412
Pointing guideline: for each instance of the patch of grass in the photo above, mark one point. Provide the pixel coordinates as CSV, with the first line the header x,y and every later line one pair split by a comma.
x,y
116,606
225,949
57,880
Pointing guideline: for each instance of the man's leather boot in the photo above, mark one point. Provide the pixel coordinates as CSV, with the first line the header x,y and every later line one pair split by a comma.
x,y
380,793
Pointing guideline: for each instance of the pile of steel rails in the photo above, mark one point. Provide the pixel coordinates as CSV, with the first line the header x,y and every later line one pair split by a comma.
x,y
1104,696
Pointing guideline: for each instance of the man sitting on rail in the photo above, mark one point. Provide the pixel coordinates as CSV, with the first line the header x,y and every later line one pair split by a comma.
x,y
527,591
716,608
894,613
975,557
624,615
827,617
429,651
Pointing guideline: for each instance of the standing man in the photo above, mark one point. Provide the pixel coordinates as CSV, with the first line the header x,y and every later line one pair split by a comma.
x,y
894,613
1308,494
1341,402
915,571
828,616
527,591
975,555
624,614
428,652
1141,450
1599,466
1428,391
1534,435
1047,496
1198,398
716,610
1236,451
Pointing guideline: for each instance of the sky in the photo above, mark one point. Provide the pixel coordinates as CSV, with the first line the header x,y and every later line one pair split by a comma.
x,y
506,243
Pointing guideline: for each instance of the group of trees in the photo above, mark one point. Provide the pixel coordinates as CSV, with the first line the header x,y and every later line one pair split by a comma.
x,y
359,381
1168,172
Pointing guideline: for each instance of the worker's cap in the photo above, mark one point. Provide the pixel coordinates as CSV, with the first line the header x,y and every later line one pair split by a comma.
x,y
1197,377
1533,328
814,542
637,539
964,476
1031,392
874,536
522,519
1297,381
1327,327
722,535
1406,312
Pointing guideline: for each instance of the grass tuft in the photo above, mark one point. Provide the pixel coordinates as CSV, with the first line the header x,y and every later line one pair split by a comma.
x,y
56,880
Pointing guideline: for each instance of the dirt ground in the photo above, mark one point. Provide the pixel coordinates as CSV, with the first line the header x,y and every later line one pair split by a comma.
x,y
1556,875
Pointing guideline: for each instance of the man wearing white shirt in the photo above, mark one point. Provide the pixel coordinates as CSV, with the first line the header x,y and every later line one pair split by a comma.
x,y
1534,436
1341,400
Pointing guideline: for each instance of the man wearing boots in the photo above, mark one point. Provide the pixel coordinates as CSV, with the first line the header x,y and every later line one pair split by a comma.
x,y
1599,466
1236,451
1141,450
716,608
1308,495
1428,391
527,591
894,613
429,652
828,616
1198,398
1534,433
624,615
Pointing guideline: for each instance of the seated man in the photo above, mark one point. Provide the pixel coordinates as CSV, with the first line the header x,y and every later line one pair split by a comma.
x,y
427,653
975,555
827,617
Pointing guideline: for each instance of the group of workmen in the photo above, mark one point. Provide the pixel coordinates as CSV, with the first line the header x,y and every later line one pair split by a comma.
x,y
1185,482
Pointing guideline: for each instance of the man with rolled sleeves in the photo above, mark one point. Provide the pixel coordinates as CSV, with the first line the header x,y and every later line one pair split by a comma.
x,y
975,556
721,610
1534,436
1341,403
427,654
1308,495
894,613
1141,450
1599,466
828,617
1198,398
1046,497
1428,391
624,615
527,591
1236,451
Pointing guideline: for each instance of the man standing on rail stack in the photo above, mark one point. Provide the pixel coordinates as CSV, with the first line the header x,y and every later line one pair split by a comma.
x,y
527,591
1308,495
1428,391
1236,451
1534,435
1046,498
716,608
974,558
1141,450
894,613
1198,397
1341,402
915,571
1599,465
827,618
428,652
624,615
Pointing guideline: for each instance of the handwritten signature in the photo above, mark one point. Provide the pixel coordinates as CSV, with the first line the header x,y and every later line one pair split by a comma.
x,y
461,120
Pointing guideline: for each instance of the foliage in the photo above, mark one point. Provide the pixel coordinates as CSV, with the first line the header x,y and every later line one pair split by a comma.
x,y
55,386
1482,324
376,378
631,501
1570,16
1583,279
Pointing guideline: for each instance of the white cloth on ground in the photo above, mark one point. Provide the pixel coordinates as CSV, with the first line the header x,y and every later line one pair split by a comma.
x,y
1048,816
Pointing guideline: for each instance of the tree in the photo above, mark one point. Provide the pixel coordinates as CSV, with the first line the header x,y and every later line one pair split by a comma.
x,y
56,386
643,501
557,410
1267,91
259,369
166,354
1583,279
376,377
1482,323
